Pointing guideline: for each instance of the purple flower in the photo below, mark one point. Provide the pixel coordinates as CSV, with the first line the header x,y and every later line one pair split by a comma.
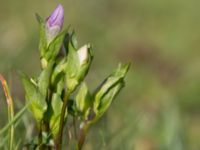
x,y
57,17
54,23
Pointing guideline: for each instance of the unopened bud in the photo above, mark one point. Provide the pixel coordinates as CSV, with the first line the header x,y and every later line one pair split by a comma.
x,y
54,23
83,54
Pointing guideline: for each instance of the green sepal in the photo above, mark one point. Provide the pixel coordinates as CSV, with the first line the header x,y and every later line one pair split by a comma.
x,y
54,47
86,65
42,30
37,101
76,72
74,40
70,38
107,91
83,99
72,68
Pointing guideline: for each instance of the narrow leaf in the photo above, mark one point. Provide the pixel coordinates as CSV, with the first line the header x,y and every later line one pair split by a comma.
x,y
38,104
83,98
44,79
55,118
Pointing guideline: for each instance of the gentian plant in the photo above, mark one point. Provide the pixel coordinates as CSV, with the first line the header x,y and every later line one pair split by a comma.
x,y
59,96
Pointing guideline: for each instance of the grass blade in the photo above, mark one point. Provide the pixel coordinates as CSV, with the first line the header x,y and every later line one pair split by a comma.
x,y
12,122
10,110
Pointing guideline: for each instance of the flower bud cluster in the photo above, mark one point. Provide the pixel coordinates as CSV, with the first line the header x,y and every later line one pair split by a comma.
x,y
51,97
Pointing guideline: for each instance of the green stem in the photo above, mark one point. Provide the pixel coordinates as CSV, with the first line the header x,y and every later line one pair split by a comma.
x,y
40,136
74,125
62,122
44,124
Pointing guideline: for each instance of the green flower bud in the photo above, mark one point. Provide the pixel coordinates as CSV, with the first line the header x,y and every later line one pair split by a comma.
x,y
54,23
78,64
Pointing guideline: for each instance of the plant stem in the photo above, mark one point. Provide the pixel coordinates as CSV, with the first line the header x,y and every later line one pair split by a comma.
x,y
40,136
62,122
82,136
74,125
44,124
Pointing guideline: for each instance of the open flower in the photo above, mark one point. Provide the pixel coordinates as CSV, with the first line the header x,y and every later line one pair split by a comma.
x,y
54,23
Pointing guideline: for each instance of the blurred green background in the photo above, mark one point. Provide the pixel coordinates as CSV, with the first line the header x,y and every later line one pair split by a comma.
x,y
159,109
